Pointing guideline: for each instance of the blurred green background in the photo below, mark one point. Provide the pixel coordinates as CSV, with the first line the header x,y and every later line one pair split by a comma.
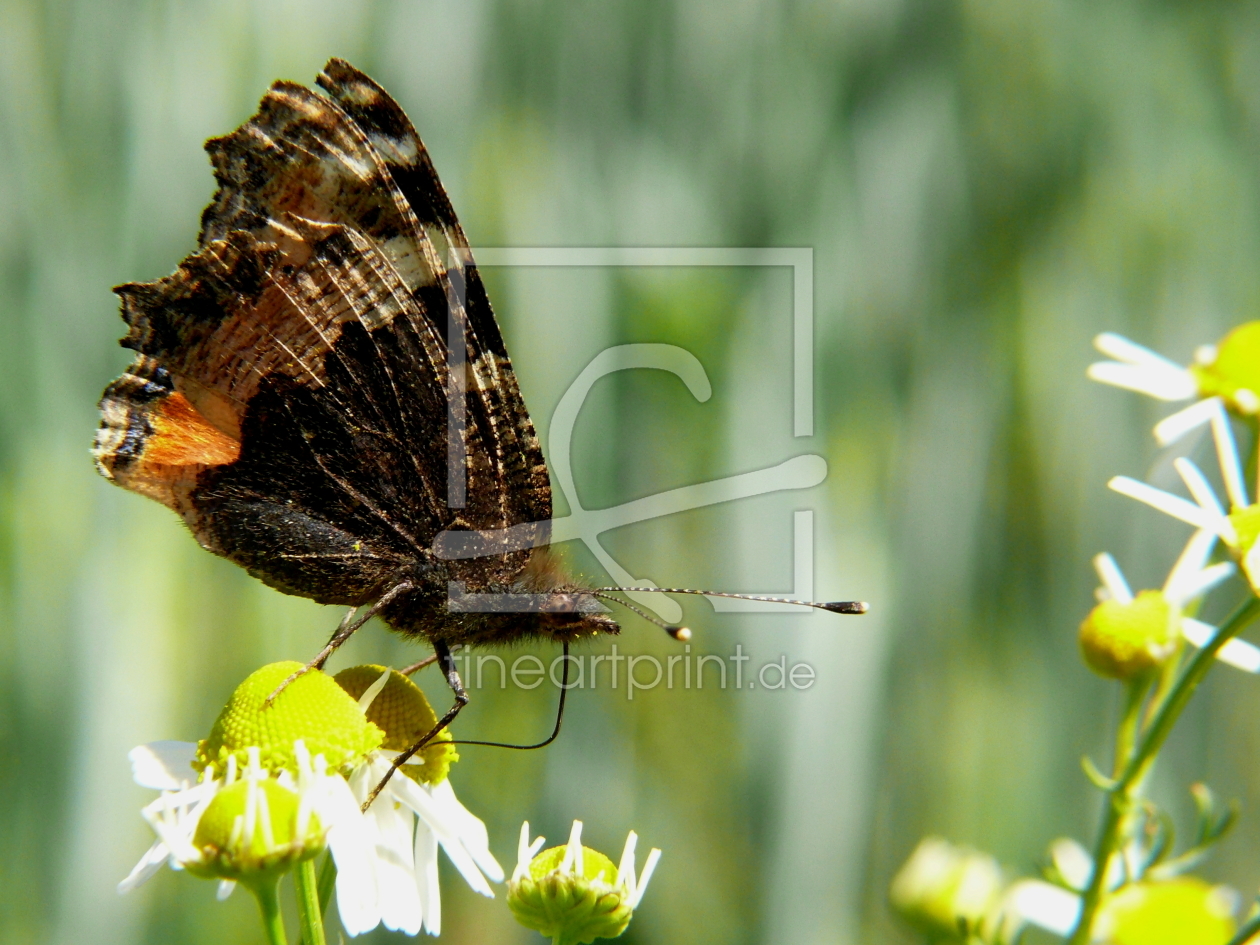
x,y
985,184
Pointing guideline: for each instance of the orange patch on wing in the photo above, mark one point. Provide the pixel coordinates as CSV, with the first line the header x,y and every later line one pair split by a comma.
x,y
183,437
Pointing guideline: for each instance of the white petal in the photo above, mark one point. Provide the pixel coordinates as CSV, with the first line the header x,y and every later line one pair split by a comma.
x,y
226,888
1227,453
1196,585
349,841
526,851
174,817
1072,861
1170,504
625,869
472,831
431,812
426,875
372,691
149,864
1130,352
1211,411
1044,905
1189,578
1237,653
523,854
1173,427
573,850
1113,580
1162,383
654,857
1200,489
1208,578
164,766
398,897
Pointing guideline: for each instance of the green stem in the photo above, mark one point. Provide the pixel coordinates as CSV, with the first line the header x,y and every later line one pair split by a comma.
x,y
266,892
1152,740
1250,928
327,881
1127,731
309,913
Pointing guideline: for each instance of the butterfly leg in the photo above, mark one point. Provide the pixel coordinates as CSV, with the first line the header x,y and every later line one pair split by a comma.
x,y
447,662
345,630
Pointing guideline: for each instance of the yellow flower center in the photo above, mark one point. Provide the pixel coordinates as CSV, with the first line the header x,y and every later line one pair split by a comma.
x,y
405,716
313,708
1234,374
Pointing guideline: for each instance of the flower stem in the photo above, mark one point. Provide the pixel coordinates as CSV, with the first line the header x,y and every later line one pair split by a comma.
x,y
266,892
1247,932
309,912
1152,739
1127,731
327,881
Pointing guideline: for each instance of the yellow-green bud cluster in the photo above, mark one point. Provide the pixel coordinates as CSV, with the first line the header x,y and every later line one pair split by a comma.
x,y
253,830
1123,640
947,891
570,902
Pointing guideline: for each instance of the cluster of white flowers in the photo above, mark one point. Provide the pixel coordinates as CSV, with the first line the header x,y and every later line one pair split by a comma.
x,y
1218,391
247,823
386,856
954,892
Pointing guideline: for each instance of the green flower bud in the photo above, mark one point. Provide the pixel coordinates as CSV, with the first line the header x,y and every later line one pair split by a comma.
x,y
1231,370
253,830
946,891
312,708
1122,640
573,894
1185,911
403,713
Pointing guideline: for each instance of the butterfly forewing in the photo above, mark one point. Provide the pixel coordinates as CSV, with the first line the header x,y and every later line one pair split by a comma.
x,y
309,334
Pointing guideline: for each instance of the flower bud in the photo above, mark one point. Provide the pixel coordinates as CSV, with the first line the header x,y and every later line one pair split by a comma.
x,y
1178,912
573,894
944,890
1122,640
253,830
312,708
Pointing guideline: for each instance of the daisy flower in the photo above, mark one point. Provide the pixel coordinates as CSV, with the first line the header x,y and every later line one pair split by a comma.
x,y
242,825
311,757
573,894
1127,633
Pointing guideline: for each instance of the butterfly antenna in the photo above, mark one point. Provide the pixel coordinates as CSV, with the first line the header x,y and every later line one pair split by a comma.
x,y
835,606
681,634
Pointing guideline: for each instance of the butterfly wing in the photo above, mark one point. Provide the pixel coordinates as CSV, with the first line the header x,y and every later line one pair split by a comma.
x,y
308,339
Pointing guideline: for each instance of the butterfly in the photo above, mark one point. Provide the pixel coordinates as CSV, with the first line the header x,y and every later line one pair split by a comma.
x,y
322,394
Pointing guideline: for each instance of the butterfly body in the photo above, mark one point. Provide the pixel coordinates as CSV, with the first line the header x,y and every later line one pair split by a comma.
x,y
296,380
